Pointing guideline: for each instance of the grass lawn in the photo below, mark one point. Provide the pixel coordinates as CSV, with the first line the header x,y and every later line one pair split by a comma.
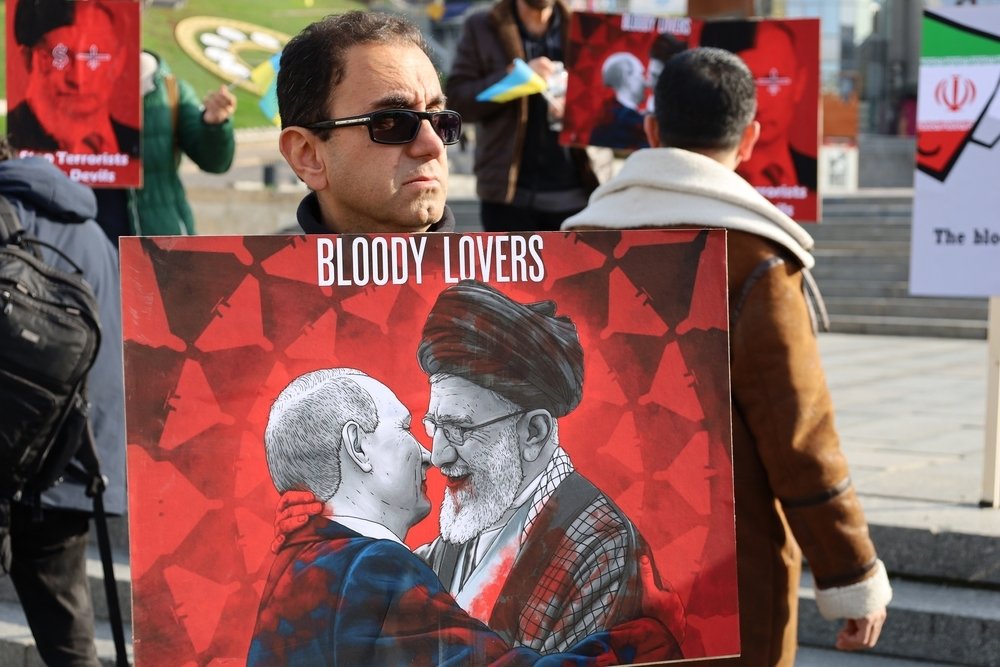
x,y
287,16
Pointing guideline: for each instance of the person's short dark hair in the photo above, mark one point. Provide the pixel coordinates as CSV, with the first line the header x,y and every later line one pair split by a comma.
x,y
313,62
704,99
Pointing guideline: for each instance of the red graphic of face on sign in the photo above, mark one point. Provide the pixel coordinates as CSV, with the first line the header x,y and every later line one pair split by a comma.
x,y
73,86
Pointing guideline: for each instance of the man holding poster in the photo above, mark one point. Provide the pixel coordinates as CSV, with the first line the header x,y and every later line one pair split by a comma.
x,y
791,478
74,63
354,92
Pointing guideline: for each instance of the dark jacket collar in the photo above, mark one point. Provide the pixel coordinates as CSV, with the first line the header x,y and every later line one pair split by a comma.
x,y
311,220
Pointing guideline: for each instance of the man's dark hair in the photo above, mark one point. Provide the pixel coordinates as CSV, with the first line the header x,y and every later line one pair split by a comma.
x,y
704,99
34,18
313,63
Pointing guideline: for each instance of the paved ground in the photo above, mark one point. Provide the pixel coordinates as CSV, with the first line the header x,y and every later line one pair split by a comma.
x,y
911,413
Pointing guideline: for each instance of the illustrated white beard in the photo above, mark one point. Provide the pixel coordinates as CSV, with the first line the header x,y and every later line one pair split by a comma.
x,y
495,477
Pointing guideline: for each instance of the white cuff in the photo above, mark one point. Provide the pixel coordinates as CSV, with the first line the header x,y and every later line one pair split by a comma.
x,y
856,600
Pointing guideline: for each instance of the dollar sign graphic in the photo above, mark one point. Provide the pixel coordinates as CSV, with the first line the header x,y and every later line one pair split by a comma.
x,y
60,56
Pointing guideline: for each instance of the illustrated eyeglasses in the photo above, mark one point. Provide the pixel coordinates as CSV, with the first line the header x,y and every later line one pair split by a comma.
x,y
456,434
399,126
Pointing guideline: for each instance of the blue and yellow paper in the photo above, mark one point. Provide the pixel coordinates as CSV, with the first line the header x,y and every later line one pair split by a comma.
x,y
521,81
265,75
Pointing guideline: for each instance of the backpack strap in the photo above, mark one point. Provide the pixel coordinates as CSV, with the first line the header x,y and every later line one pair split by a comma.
x,y
818,315
173,101
10,224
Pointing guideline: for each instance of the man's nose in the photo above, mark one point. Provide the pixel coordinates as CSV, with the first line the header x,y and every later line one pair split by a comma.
x,y
425,457
444,452
427,141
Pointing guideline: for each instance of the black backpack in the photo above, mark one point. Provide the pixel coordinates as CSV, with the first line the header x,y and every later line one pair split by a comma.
x,y
49,336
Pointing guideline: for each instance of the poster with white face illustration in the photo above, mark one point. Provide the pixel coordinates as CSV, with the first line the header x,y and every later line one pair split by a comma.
x,y
430,449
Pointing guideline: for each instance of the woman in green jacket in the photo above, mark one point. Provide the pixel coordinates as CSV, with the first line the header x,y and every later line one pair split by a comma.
x,y
174,122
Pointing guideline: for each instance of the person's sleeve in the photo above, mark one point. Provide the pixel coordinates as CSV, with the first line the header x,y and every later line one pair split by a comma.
x,y
211,147
780,390
105,387
472,71
401,614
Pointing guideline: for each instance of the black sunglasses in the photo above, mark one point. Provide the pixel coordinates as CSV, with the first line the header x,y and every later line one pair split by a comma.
x,y
399,126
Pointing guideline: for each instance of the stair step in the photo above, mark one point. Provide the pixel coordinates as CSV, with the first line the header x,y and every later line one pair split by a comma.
x,y
810,656
885,325
926,622
922,307
861,269
847,287
95,575
17,646
862,251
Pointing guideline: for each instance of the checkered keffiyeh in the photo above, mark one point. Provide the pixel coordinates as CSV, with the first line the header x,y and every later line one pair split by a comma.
x,y
585,586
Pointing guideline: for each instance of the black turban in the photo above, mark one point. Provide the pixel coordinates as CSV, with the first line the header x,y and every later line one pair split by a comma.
x,y
522,351
34,18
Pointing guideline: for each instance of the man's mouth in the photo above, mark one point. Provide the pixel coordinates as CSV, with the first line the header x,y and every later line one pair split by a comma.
x,y
456,482
421,180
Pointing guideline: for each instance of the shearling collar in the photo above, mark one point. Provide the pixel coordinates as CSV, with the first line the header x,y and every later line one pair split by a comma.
x,y
670,187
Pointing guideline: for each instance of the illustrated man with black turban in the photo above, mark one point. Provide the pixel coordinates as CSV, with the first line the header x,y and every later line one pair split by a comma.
x,y
527,544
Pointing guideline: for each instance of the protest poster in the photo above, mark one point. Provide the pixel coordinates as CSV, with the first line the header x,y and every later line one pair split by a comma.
x,y
615,61
216,328
73,87
956,239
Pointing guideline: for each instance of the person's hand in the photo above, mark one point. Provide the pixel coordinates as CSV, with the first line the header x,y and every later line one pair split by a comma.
x,y
557,106
293,511
663,605
219,105
861,633
542,66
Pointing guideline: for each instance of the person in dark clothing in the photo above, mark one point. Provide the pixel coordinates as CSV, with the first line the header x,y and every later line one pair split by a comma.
x,y
525,180
364,126
49,542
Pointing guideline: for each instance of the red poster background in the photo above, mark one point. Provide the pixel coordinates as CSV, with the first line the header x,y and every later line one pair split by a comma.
x,y
593,37
215,327
125,103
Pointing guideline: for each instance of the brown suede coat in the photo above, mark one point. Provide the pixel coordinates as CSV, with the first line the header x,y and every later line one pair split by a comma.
x,y
791,478
490,41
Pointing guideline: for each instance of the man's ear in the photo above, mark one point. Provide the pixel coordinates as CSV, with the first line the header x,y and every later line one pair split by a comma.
x,y
351,439
535,427
749,139
301,150
652,128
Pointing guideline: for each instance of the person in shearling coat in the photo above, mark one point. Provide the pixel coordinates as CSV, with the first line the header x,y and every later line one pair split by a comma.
x,y
793,490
